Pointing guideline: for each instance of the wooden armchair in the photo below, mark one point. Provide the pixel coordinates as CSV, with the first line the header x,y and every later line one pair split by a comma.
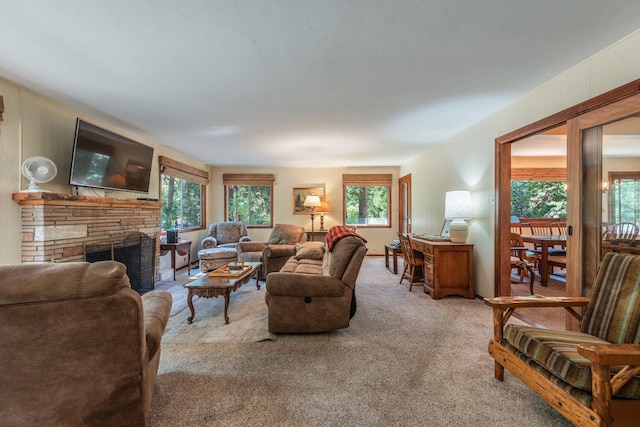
x,y
591,376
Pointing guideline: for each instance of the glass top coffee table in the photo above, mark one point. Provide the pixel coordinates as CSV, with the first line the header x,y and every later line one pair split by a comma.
x,y
223,284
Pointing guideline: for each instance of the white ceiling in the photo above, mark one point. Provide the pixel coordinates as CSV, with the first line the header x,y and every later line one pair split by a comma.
x,y
300,82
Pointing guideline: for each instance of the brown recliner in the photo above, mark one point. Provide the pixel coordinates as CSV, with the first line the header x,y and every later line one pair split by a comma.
x,y
276,251
318,296
79,346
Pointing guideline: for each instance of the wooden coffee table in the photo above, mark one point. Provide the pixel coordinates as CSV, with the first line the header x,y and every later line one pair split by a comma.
x,y
211,287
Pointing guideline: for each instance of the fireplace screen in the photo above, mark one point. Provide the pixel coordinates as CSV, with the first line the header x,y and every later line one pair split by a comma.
x,y
136,252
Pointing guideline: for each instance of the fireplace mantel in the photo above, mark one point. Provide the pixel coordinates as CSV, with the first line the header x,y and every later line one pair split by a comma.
x,y
44,198
58,227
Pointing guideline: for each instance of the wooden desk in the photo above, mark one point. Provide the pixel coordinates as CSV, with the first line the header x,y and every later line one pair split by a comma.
x,y
545,242
448,267
183,248
395,250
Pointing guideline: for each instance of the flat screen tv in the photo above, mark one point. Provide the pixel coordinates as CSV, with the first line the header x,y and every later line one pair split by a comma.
x,y
103,159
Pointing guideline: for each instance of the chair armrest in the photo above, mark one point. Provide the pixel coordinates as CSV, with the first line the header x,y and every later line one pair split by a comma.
x,y
156,306
250,247
503,308
279,251
209,242
611,354
504,303
602,357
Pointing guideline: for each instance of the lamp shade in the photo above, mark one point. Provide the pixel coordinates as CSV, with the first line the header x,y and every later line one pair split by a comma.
x,y
324,208
312,201
457,208
457,205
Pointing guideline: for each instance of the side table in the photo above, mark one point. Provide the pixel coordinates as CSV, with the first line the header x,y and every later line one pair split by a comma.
x,y
395,250
183,248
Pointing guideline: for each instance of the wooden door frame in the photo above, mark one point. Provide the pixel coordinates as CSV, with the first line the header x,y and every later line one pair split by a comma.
x,y
502,265
402,181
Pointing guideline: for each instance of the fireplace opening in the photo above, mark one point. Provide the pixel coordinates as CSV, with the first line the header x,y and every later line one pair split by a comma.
x,y
136,252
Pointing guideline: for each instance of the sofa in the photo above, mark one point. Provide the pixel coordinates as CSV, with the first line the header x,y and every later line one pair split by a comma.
x,y
79,346
276,251
315,290
225,234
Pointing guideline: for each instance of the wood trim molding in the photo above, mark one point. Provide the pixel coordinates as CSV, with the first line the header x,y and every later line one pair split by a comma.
x,y
1,107
539,174
614,95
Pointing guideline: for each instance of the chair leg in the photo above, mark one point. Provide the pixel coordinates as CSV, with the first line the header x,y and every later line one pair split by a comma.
x,y
404,272
413,275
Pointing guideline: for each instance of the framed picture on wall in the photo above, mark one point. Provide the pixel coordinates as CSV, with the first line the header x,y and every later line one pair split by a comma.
x,y
300,193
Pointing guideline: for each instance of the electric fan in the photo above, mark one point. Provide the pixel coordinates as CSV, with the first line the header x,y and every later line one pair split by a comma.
x,y
38,170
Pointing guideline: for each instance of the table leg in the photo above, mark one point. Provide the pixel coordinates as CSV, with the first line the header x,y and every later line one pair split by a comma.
x,y
173,262
544,266
386,256
395,261
226,307
190,304
189,261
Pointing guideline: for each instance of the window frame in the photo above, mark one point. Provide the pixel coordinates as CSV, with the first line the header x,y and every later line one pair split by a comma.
x,y
367,180
262,180
613,177
184,172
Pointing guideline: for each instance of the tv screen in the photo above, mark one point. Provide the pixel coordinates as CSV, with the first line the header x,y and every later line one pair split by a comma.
x,y
103,159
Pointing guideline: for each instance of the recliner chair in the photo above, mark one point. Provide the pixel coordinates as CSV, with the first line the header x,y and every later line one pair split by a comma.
x,y
276,251
79,346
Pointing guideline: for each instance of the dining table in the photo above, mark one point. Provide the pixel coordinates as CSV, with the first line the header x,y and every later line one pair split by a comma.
x,y
545,242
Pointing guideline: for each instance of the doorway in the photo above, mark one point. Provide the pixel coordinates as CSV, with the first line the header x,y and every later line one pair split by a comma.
x,y
584,185
404,224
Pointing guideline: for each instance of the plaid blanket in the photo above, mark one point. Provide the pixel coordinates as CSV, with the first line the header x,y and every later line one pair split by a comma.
x,y
337,232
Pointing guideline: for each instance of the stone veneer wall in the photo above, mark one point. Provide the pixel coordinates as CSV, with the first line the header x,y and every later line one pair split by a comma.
x,y
56,227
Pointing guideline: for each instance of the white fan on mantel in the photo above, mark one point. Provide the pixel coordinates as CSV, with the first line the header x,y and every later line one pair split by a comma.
x,y
38,170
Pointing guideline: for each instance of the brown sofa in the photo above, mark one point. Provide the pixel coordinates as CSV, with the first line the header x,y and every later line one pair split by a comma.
x,y
276,251
79,346
315,292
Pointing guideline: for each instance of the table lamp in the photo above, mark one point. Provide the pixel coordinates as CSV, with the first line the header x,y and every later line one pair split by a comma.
x,y
324,208
312,202
458,208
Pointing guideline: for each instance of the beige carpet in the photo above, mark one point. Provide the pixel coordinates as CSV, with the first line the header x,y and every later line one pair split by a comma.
x,y
406,360
247,318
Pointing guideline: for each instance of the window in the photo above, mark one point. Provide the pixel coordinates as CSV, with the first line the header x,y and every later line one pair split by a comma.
x,y
249,199
367,200
624,197
539,192
182,190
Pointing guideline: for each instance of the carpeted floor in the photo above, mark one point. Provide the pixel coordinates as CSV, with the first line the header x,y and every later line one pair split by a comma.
x,y
406,360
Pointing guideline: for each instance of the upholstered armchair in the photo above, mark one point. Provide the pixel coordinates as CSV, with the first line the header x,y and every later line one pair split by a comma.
x,y
275,252
79,346
225,234
590,376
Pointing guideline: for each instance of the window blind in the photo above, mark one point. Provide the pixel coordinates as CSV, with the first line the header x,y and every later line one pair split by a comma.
x,y
183,171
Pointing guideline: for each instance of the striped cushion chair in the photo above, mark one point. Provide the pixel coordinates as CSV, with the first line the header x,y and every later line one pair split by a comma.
x,y
564,358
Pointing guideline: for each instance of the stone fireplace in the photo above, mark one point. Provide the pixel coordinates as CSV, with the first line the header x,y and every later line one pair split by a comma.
x,y
65,228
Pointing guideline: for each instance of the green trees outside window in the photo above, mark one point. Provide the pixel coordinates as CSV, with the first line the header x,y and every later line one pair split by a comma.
x,y
250,204
182,203
624,197
367,205
539,199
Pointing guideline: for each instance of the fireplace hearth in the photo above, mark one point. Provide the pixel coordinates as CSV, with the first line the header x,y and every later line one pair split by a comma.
x,y
136,252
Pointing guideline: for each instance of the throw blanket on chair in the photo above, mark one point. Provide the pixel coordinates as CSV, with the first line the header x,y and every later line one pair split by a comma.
x,y
337,232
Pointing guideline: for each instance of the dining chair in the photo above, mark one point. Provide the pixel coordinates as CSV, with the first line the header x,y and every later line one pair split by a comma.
x,y
412,264
523,259
621,231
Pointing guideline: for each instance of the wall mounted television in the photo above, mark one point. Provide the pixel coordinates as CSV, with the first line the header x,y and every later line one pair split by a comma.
x,y
103,159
